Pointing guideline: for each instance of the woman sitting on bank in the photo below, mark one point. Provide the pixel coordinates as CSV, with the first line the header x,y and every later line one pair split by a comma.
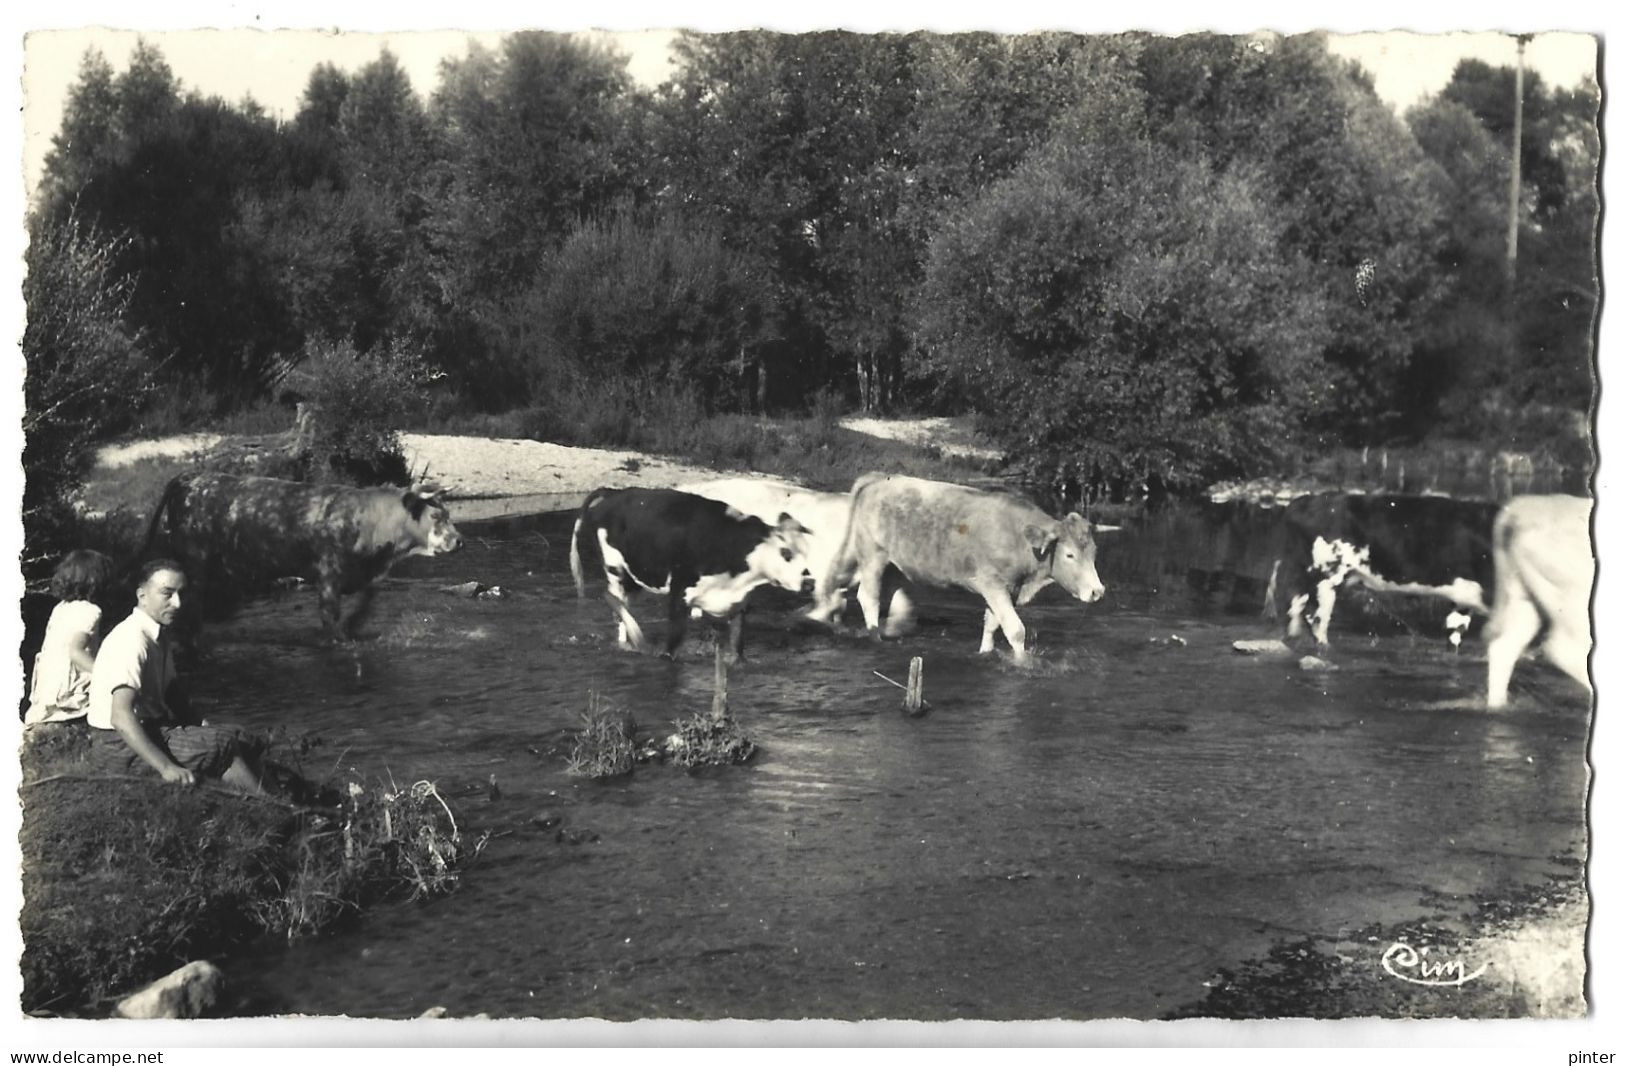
x,y
60,688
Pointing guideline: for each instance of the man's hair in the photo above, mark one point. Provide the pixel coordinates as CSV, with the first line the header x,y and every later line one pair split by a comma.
x,y
81,575
152,566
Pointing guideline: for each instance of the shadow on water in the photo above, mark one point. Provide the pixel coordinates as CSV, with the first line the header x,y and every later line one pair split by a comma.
x,y
1094,837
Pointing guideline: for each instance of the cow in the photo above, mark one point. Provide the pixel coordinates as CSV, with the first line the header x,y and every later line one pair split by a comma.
x,y
703,555
1544,571
262,527
991,543
1416,545
824,516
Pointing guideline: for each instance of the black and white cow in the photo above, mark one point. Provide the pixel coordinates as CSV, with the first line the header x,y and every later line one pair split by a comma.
x,y
702,554
1414,545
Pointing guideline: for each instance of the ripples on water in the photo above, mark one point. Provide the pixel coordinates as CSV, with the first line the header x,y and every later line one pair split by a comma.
x,y
1091,838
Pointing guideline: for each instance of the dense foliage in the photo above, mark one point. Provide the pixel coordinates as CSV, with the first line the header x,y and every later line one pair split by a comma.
x,y
1183,256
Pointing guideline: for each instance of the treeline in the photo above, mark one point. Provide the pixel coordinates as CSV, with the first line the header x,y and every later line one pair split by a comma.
x,y
1134,255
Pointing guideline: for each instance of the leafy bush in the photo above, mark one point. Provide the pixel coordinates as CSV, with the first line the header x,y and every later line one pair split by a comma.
x,y
87,369
353,403
626,296
1126,311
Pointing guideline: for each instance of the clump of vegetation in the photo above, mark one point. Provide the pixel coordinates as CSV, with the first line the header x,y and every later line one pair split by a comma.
x,y
606,745
708,739
609,743
387,841
352,401
125,878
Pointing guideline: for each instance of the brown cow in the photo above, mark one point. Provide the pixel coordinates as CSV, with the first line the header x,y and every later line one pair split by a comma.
x,y
344,538
1544,571
990,543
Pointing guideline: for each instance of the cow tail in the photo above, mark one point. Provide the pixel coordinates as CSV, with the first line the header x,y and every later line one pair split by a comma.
x,y
843,562
1501,533
575,541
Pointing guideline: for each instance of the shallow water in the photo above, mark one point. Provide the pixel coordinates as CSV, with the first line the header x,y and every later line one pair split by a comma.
x,y
1092,837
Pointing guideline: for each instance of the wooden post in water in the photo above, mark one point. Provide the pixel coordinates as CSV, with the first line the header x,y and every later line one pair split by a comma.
x,y
719,700
913,697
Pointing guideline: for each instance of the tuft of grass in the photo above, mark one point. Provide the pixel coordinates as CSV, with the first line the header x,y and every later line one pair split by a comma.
x,y
606,744
386,841
707,739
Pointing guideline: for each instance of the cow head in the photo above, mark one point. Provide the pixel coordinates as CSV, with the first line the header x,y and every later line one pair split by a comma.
x,y
782,556
430,522
1069,548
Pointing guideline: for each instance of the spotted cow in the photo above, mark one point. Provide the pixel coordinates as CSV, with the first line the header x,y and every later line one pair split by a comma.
x,y
1412,545
240,528
703,555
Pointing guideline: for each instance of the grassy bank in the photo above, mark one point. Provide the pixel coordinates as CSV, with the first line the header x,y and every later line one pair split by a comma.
x,y
125,877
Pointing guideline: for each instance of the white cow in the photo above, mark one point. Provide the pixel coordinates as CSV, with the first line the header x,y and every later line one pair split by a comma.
x,y
1544,571
991,543
823,516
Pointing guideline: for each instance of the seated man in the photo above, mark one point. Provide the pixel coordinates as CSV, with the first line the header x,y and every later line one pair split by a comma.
x,y
132,718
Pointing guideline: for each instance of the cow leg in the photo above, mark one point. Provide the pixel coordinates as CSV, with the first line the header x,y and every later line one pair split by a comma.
x,y
1000,606
1568,651
628,634
736,635
1515,624
676,618
990,625
870,587
362,608
329,603
1270,610
1294,616
1325,601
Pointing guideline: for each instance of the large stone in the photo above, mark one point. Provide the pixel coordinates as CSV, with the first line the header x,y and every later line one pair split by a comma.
x,y
186,993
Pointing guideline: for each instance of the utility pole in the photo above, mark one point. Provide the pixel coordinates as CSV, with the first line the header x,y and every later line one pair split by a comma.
x,y
1509,304
1517,168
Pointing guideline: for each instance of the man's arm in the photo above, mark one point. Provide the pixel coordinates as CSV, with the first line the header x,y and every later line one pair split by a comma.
x,y
129,727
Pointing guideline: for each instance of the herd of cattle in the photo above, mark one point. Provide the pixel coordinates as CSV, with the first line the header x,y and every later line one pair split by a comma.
x,y
706,546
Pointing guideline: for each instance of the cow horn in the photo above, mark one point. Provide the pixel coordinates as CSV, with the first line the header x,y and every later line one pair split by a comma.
x,y
426,489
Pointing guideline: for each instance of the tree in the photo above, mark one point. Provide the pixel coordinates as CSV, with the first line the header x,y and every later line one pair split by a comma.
x,y
627,295
1487,356
531,138
168,171
1356,197
1120,310
86,367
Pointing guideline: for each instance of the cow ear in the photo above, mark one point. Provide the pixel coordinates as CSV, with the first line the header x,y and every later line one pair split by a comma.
x,y
788,523
1042,540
